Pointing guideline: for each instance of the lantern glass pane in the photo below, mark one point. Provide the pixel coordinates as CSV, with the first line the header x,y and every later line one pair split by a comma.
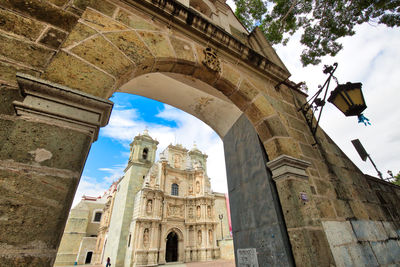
x,y
356,96
341,103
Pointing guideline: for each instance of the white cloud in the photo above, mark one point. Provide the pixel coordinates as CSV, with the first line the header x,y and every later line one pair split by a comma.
x,y
89,186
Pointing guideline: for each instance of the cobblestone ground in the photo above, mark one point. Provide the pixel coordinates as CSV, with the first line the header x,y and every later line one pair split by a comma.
x,y
217,263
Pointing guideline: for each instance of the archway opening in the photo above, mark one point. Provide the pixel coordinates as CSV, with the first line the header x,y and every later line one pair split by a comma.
x,y
171,253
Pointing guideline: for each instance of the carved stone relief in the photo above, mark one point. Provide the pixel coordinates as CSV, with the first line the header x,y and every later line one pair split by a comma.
x,y
198,212
211,59
175,210
149,206
146,238
199,237
191,212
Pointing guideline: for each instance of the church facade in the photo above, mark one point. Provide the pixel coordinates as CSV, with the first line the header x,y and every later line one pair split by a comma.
x,y
164,211
158,212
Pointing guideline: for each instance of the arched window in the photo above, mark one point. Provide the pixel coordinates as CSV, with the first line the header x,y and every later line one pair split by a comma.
x,y
145,153
174,190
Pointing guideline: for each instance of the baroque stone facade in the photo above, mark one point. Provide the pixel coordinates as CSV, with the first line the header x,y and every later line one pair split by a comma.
x,y
174,216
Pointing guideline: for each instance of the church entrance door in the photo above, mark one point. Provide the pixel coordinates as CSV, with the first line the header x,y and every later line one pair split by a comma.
x,y
172,247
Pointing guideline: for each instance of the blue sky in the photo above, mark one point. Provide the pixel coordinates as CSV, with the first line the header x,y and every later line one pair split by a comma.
x,y
371,56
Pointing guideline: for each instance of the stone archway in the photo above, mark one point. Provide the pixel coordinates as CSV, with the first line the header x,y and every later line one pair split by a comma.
x,y
178,236
83,54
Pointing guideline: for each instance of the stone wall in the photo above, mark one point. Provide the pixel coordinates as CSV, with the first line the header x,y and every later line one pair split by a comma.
x,y
372,240
227,251
95,47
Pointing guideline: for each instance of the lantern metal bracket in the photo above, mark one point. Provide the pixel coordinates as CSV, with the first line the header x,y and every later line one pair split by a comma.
x,y
315,103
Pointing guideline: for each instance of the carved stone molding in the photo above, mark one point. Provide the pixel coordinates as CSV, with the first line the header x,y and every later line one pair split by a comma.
x,y
60,105
285,166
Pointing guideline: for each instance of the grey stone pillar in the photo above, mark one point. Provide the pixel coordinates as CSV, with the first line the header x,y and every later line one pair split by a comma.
x,y
257,220
302,219
42,153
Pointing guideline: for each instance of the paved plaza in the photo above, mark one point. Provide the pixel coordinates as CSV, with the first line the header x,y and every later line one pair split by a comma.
x,y
216,263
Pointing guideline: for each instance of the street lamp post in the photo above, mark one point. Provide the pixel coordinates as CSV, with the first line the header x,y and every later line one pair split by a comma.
x,y
221,216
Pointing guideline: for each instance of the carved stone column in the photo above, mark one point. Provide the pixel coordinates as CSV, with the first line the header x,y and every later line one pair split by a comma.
x,y
301,215
42,153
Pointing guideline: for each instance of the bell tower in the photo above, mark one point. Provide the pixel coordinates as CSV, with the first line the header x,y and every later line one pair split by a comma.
x,y
141,158
143,149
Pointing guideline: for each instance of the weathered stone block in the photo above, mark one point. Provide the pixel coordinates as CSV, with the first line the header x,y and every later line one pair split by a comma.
x,y
312,243
104,7
5,128
183,50
299,136
134,21
374,212
270,127
25,52
8,71
282,145
339,233
230,74
47,145
26,260
58,2
53,38
324,188
259,109
239,100
7,96
296,211
343,209
390,229
44,11
359,210
325,208
131,45
362,255
225,87
102,23
369,230
79,33
24,211
310,151
158,44
102,54
248,91
70,71
384,254
342,256
23,26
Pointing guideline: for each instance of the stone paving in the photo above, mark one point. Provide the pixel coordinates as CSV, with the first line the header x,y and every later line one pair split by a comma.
x,y
216,263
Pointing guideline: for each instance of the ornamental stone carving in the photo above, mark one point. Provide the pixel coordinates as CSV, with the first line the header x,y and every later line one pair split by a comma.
x,y
211,59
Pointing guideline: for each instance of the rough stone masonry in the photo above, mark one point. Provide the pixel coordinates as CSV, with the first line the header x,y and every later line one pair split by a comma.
x,y
72,55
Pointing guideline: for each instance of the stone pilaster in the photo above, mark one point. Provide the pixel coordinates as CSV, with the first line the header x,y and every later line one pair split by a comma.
x,y
301,215
42,154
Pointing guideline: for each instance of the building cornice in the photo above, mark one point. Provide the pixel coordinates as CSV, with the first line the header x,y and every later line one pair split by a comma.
x,y
201,29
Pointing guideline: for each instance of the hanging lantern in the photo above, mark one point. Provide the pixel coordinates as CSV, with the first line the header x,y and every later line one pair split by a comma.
x,y
348,98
